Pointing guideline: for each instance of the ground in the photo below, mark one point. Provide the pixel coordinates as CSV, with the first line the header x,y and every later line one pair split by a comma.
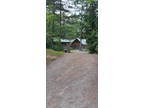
x,y
52,55
72,81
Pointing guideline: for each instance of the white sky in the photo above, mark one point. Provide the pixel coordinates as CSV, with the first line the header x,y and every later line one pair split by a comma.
x,y
72,10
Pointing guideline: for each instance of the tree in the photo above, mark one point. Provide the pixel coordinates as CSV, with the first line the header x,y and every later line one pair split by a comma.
x,y
71,19
91,26
89,23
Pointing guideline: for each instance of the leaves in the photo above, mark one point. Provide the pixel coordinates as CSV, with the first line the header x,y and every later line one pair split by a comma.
x,y
62,23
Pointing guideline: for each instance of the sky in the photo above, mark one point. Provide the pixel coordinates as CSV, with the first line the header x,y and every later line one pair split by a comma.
x,y
72,10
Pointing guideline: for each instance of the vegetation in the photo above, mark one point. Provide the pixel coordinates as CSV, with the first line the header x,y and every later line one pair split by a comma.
x,y
71,19
53,53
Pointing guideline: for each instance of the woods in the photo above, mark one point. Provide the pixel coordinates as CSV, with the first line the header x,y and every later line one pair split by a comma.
x,y
71,19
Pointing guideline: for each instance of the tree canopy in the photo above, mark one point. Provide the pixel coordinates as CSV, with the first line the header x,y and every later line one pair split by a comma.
x,y
71,19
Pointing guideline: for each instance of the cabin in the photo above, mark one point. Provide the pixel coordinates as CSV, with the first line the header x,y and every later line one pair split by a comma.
x,y
74,44
77,43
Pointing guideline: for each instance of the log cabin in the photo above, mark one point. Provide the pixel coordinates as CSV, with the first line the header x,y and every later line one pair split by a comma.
x,y
74,44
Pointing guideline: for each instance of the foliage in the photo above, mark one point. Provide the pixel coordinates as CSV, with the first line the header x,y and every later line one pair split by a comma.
x,y
89,23
91,26
92,42
62,23
58,24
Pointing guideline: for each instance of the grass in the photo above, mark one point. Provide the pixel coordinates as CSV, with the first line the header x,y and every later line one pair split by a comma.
x,y
53,52
52,55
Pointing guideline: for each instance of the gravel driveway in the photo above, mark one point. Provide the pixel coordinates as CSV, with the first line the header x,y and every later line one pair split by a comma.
x,y
72,81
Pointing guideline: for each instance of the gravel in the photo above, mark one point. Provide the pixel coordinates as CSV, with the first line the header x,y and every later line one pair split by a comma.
x,y
72,81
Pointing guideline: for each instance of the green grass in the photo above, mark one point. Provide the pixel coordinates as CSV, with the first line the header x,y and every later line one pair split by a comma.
x,y
53,52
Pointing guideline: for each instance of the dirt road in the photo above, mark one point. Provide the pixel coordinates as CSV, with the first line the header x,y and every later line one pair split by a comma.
x,y
72,82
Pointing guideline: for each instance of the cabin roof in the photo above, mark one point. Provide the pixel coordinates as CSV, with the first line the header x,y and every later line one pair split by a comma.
x,y
72,40
66,40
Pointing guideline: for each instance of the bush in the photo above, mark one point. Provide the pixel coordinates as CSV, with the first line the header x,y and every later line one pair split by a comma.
x,y
57,48
56,45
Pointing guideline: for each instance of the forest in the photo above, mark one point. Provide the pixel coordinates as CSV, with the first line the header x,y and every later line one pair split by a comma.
x,y
71,19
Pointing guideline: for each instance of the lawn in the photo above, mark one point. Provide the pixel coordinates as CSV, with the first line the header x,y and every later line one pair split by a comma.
x,y
53,52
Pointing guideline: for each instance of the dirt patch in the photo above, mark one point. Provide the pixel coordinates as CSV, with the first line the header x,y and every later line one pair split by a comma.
x,y
52,55
72,81
50,58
